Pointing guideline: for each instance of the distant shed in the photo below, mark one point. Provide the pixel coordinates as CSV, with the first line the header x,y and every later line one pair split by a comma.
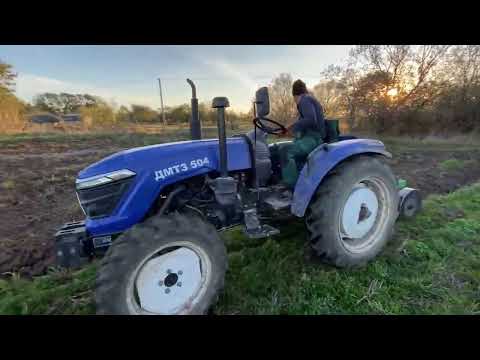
x,y
71,118
44,118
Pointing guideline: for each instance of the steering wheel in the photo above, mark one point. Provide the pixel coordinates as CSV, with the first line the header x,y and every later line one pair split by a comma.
x,y
279,129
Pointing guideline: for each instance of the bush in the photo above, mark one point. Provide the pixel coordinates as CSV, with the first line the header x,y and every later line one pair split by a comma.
x,y
99,116
12,114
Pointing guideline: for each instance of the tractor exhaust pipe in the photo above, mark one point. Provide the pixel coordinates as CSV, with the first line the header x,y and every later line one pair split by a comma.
x,y
220,103
224,186
195,127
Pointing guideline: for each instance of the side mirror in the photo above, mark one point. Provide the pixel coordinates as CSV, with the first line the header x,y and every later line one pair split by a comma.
x,y
262,102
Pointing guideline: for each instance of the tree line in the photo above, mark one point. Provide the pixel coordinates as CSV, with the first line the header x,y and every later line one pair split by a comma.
x,y
396,89
101,112
11,108
93,110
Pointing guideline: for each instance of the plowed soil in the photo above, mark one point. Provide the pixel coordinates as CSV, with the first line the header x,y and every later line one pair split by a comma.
x,y
37,189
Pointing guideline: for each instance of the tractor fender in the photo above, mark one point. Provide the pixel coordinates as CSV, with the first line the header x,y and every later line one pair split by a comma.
x,y
323,159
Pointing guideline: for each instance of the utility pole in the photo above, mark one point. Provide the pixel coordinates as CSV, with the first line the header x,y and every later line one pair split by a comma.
x,y
161,101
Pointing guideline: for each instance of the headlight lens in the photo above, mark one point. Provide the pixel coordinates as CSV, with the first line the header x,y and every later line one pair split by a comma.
x,y
103,179
99,195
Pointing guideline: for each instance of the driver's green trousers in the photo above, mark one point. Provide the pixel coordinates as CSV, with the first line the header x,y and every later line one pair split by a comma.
x,y
303,144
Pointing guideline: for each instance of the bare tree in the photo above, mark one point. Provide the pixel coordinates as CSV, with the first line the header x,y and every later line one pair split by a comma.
x,y
409,67
331,94
346,80
425,60
383,58
463,67
7,79
406,89
282,105
459,100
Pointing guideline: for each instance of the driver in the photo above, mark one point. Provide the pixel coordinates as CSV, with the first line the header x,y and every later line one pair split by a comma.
x,y
309,131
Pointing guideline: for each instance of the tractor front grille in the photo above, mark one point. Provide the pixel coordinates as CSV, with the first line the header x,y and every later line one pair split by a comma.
x,y
101,201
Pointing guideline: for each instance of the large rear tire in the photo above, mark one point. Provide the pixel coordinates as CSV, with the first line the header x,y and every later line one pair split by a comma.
x,y
171,264
353,213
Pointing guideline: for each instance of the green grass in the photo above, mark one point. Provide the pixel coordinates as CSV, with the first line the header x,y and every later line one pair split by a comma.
x,y
56,293
452,165
436,272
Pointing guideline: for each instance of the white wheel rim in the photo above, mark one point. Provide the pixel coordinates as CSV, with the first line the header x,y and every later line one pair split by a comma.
x,y
359,229
169,283
359,212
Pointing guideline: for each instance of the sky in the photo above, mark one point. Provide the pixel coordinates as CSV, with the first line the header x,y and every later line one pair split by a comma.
x,y
127,74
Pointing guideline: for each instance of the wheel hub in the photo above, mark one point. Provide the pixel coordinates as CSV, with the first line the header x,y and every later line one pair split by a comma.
x,y
171,280
180,275
359,212
364,213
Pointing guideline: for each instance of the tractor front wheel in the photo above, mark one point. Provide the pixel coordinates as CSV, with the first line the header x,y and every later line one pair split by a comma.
x,y
353,213
168,265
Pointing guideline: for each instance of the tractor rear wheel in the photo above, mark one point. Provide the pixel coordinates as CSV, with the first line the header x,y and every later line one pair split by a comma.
x,y
168,265
353,213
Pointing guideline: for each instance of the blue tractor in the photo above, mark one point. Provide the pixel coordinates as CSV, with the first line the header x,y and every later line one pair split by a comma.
x,y
154,213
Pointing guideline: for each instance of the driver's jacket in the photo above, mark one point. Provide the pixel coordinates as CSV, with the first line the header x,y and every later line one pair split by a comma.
x,y
311,116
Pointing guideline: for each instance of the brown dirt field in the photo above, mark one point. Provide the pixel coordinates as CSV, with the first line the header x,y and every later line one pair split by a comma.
x,y
37,190
422,171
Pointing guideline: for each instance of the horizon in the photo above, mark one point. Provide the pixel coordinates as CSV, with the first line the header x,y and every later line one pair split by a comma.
x,y
128,74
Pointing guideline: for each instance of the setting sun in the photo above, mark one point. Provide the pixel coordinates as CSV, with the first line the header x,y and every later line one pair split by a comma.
x,y
392,92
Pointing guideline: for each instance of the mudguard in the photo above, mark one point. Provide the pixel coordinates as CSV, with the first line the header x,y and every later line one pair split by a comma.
x,y
323,159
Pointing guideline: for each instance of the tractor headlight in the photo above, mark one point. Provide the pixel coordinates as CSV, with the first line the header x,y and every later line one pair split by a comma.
x,y
99,195
103,179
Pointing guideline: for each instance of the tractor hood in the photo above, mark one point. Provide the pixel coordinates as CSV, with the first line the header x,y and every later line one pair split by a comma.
x,y
170,162
154,168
